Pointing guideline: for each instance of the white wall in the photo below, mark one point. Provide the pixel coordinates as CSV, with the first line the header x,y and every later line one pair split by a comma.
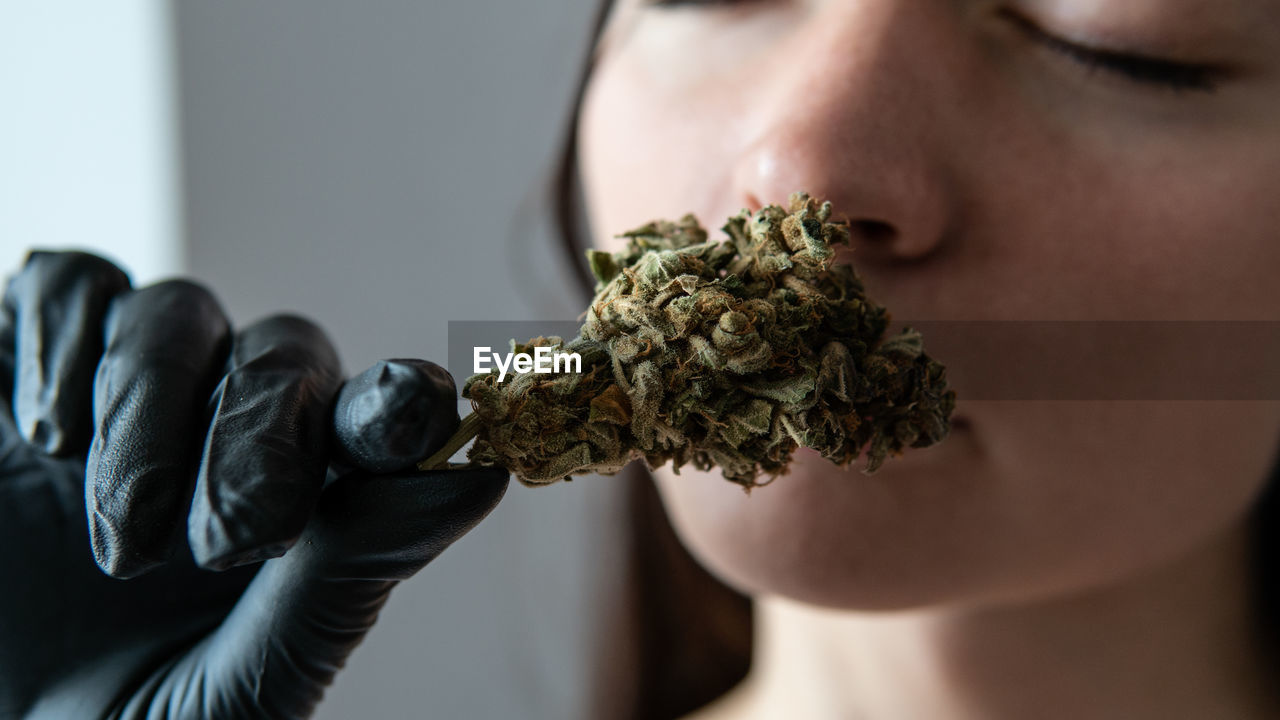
x,y
87,146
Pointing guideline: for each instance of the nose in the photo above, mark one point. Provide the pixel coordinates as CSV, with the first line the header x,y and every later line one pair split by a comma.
x,y
864,133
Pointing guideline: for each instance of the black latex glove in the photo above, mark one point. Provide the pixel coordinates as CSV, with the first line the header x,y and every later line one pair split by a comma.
x,y
141,437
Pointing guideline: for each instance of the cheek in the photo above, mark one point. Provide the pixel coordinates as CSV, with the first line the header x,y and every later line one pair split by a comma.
x,y
642,157
1175,226
1036,499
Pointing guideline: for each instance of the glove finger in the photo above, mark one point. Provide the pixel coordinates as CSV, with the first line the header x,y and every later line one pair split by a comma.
x,y
10,438
165,349
266,453
394,414
8,343
59,300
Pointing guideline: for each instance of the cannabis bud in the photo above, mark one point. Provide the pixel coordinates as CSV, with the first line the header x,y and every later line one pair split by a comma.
x,y
716,353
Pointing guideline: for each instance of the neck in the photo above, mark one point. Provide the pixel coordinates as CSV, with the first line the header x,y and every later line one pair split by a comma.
x,y
1177,642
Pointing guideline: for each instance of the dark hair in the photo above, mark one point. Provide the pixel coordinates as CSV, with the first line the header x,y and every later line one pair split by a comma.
x,y
1265,519
680,637
677,638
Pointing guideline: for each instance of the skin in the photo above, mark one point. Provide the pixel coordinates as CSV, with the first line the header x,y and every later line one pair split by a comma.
x,y
988,176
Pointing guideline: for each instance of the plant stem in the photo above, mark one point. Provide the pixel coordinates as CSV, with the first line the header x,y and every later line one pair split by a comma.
x,y
467,429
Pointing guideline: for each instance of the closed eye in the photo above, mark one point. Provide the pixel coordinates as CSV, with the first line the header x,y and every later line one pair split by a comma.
x,y
677,3
1138,68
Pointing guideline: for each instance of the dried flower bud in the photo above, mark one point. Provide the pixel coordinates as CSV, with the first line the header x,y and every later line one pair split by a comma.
x,y
728,354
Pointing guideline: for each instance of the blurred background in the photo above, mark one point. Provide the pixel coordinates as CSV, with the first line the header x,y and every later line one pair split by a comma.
x,y
379,167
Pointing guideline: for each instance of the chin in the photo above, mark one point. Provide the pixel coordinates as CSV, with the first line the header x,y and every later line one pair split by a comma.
x,y
908,536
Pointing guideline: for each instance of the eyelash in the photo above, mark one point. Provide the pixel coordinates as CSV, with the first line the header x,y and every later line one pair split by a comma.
x,y
672,3
1141,69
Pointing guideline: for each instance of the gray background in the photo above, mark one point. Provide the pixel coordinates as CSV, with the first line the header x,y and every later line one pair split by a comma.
x,y
377,166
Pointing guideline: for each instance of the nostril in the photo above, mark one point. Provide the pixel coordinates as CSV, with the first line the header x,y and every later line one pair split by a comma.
x,y
872,231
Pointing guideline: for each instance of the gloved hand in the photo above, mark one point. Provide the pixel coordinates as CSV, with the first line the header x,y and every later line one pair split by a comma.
x,y
141,438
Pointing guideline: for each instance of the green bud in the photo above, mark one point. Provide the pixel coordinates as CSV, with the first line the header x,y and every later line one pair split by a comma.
x,y
727,354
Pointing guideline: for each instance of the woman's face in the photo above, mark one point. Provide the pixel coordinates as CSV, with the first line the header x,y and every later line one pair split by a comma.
x,y
1035,160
